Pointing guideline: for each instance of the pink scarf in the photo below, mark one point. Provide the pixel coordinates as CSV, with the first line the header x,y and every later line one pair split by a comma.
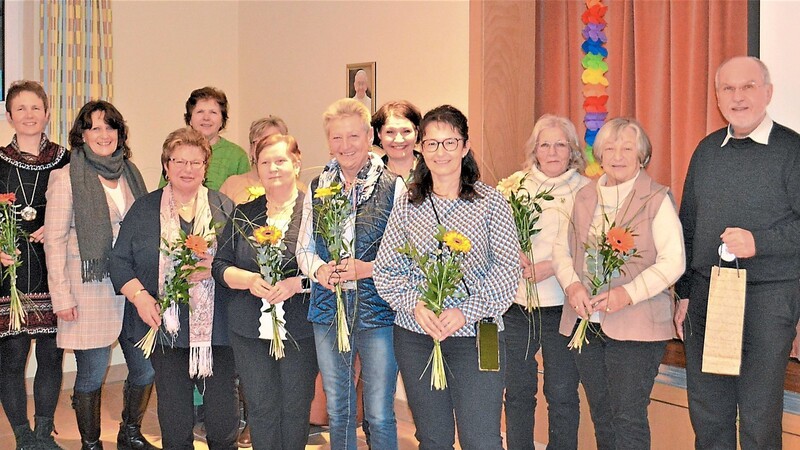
x,y
201,295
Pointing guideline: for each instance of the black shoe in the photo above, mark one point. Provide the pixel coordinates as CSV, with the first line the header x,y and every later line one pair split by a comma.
x,y
87,411
44,433
134,405
25,437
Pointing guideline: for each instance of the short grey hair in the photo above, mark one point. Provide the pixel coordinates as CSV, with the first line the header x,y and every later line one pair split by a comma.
x,y
611,131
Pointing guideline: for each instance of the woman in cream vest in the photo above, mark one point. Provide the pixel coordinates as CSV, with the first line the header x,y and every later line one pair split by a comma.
x,y
630,319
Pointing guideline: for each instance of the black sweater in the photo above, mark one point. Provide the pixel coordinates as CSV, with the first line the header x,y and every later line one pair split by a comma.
x,y
746,185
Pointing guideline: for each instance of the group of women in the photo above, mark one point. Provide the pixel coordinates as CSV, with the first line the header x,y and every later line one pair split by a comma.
x,y
95,278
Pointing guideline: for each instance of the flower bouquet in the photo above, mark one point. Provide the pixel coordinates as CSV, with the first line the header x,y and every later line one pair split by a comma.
x,y
269,249
183,254
526,210
604,261
442,271
9,233
333,212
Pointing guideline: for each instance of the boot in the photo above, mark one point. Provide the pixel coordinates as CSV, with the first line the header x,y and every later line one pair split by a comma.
x,y
135,400
87,411
25,438
44,433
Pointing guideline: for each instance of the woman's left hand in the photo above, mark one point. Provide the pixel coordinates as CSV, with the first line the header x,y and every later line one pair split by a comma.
x,y
283,290
452,319
204,266
611,301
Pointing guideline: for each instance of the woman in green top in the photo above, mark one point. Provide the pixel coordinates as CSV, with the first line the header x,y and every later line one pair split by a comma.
x,y
207,112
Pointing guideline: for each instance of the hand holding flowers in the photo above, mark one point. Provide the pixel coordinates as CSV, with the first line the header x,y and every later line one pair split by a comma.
x,y
189,264
526,209
442,276
269,246
604,261
9,233
333,212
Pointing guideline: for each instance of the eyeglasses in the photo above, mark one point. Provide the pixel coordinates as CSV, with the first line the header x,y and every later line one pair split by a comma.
x,y
432,145
546,146
745,89
182,163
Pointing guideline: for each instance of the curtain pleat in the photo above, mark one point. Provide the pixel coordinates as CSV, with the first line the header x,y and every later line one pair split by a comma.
x,y
662,60
75,58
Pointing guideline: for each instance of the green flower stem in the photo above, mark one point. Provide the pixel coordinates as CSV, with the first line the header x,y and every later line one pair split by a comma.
x,y
342,331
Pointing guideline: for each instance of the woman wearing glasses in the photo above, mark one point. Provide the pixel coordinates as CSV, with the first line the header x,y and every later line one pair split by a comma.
x,y
554,165
445,191
86,202
191,348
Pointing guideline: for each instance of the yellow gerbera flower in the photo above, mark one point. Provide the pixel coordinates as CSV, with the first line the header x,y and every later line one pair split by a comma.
x,y
267,235
323,192
457,242
255,191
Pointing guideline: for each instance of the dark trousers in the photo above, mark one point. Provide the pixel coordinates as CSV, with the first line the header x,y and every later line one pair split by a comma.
x,y
46,384
475,397
771,314
618,377
278,393
175,399
525,334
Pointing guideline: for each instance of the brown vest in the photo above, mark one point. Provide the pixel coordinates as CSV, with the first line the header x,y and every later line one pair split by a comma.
x,y
648,320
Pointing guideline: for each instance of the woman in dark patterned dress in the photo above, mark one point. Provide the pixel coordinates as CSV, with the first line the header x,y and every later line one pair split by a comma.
x,y
25,166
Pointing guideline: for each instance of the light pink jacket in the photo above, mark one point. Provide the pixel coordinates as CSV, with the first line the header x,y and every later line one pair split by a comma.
x,y
99,310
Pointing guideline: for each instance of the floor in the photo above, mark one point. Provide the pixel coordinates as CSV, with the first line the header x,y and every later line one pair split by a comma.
x,y
69,438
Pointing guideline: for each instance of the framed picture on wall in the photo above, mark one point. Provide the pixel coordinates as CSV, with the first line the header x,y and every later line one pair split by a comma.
x,y
361,83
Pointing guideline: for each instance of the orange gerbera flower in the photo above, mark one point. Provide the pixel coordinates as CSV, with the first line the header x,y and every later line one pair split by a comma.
x,y
8,198
267,235
620,239
196,244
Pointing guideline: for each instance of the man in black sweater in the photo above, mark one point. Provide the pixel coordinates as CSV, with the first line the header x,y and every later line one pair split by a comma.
x,y
742,190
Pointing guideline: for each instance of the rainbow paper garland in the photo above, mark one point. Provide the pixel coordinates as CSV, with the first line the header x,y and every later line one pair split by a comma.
x,y
594,79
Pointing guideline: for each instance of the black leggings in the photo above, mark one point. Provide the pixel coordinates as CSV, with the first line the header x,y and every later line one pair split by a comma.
x,y
46,384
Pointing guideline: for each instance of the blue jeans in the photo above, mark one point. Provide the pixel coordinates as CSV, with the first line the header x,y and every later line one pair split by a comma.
x,y
93,363
379,375
525,334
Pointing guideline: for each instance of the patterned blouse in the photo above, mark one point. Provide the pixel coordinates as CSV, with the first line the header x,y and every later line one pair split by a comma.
x,y
491,267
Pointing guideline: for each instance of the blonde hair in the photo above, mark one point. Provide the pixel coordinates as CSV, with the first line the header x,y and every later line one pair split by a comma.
x,y
576,159
346,107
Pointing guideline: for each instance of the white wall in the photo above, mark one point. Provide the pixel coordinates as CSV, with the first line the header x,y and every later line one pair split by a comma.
x,y
778,23
294,55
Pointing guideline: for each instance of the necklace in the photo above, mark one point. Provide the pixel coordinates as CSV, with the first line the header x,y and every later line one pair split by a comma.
x,y
28,213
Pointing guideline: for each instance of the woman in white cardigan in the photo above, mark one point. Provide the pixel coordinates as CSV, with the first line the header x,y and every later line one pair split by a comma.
x,y
554,165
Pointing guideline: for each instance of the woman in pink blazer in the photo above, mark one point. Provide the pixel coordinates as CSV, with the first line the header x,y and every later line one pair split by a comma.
x,y
86,202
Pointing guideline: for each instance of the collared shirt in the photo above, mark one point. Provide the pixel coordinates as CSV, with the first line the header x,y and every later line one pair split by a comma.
x,y
759,135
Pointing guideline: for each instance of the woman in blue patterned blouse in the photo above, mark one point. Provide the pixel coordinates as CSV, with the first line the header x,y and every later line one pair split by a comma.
x,y
445,190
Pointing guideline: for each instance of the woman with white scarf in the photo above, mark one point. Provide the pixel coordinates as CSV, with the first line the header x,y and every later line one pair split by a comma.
x,y
554,165
192,348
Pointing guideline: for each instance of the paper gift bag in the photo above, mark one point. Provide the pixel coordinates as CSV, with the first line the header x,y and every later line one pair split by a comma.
x,y
722,348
